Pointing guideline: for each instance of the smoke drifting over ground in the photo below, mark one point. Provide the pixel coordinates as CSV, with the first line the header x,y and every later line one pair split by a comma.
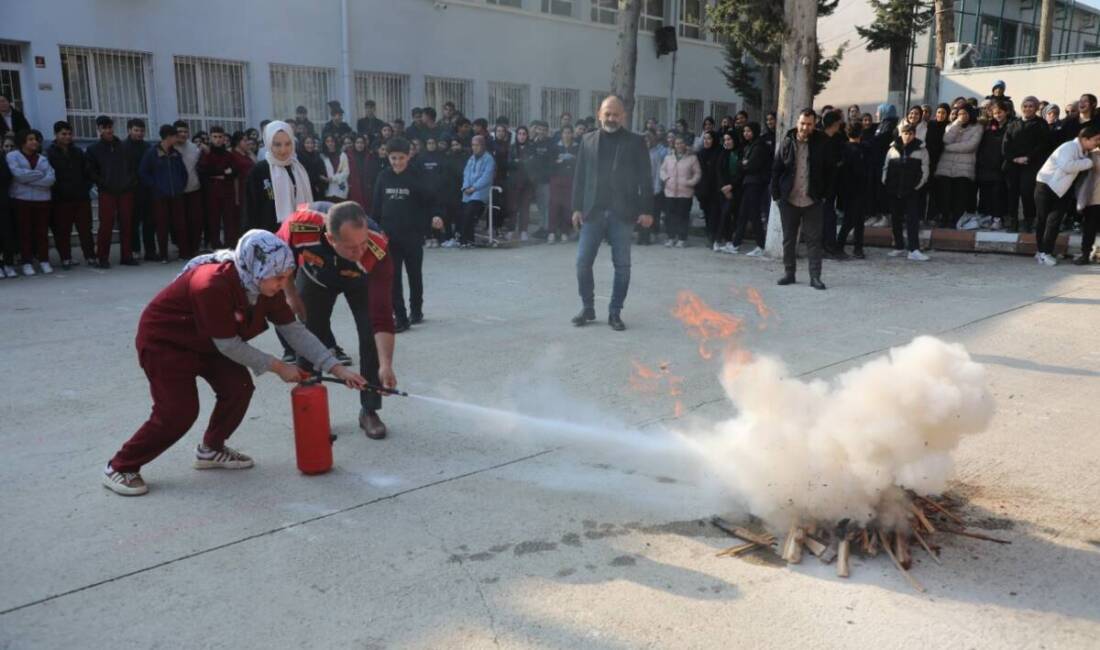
x,y
816,450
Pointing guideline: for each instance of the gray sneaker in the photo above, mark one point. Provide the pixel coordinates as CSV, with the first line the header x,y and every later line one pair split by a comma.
x,y
224,458
128,484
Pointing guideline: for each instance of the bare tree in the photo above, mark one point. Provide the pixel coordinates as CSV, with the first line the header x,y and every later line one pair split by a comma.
x,y
1046,30
623,72
945,28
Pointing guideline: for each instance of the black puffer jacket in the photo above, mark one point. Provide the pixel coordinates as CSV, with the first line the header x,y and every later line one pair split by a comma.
x,y
906,168
988,167
70,167
756,162
1026,139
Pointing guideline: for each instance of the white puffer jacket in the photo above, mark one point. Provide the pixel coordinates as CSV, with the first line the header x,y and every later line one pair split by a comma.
x,y
960,150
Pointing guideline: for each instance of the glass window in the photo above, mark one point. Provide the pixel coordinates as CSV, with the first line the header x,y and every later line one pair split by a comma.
x,y
389,91
509,100
440,90
104,82
605,11
211,92
558,7
297,85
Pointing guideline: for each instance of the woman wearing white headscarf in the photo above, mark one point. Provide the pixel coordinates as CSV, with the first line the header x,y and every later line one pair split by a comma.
x,y
198,326
279,183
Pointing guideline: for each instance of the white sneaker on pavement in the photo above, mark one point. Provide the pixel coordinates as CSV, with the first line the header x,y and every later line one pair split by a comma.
x,y
680,243
729,248
46,268
716,247
917,256
756,252
670,242
897,252
225,458
28,269
551,238
128,484
523,236
998,224
1048,260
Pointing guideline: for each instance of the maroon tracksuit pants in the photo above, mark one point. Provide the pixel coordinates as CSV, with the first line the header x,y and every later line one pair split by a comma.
x,y
34,237
561,204
115,208
67,214
173,376
221,211
194,215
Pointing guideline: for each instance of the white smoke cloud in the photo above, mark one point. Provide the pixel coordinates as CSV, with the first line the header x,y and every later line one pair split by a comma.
x,y
825,451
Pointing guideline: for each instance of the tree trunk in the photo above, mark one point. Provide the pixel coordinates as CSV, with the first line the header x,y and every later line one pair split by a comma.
x,y
1046,31
624,70
945,28
796,87
769,90
896,90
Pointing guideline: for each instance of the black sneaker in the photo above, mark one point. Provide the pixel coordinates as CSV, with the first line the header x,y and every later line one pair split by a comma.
x,y
1081,260
587,315
400,325
341,356
416,318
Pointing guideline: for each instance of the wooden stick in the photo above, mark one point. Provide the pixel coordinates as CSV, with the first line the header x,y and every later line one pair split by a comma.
x,y
818,549
922,518
965,533
763,540
844,551
792,546
923,543
873,546
913,581
865,541
945,511
735,549
901,548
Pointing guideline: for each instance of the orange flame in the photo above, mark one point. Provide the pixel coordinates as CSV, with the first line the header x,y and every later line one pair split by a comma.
x,y
703,322
762,310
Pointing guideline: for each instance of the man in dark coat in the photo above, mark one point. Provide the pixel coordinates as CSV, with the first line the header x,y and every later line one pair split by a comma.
x,y
612,190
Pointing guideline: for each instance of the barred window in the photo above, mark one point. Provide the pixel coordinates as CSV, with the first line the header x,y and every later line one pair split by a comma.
x,y
692,111
605,11
718,110
297,85
556,101
104,82
11,58
389,91
517,4
650,107
211,92
597,98
440,90
510,100
558,7
653,15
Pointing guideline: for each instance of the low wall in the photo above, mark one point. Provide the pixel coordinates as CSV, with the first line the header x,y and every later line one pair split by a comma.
x,y
1055,82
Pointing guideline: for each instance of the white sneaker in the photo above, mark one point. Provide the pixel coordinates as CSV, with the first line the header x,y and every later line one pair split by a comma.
x,y
128,484
917,256
680,243
226,458
870,222
670,242
998,224
716,247
1048,260
450,243
46,268
883,222
28,269
523,236
1038,257
10,270
756,252
551,238
729,248
897,252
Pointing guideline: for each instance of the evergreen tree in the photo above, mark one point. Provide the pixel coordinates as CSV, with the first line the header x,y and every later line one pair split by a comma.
x,y
897,24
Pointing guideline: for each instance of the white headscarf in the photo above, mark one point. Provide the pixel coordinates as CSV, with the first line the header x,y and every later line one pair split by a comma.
x,y
287,195
259,255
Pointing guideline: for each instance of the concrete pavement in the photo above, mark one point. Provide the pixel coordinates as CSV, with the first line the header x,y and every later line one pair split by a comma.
x,y
454,534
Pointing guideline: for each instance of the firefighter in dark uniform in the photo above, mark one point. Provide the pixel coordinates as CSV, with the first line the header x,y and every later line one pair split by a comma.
x,y
340,251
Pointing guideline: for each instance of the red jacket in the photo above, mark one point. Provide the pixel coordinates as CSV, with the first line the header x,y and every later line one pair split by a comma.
x,y
217,171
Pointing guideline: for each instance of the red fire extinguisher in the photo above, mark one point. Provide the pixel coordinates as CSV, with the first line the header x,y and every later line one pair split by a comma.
x,y
312,434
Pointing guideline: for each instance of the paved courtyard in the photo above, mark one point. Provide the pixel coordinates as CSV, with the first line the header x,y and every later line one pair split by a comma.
x,y
454,533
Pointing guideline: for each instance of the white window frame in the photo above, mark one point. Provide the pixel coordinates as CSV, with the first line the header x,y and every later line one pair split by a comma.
x,y
440,90
204,118
512,100
555,101
83,118
604,12
694,31
510,4
12,72
553,7
641,114
651,22
320,89
389,90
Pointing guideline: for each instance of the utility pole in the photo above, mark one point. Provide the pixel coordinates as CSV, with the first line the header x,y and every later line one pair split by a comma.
x,y
1046,30
626,64
945,29
796,88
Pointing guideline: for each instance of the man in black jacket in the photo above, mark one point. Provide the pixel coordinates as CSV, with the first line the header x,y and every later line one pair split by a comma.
x,y
369,125
799,176
71,204
612,190
832,125
405,207
1025,145
144,229
12,119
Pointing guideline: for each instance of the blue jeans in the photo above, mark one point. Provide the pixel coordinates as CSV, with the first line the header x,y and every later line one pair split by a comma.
x,y
618,232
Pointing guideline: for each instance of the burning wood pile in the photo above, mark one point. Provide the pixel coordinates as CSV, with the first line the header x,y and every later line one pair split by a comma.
x,y
927,518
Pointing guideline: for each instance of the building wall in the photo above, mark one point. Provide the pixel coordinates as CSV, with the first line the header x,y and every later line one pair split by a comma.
x,y
1054,82
468,39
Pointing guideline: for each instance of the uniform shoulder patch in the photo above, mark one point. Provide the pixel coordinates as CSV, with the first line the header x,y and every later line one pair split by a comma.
x,y
313,259
377,243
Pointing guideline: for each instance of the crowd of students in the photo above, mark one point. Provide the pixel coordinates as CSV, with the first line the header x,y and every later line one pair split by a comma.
x,y
969,164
